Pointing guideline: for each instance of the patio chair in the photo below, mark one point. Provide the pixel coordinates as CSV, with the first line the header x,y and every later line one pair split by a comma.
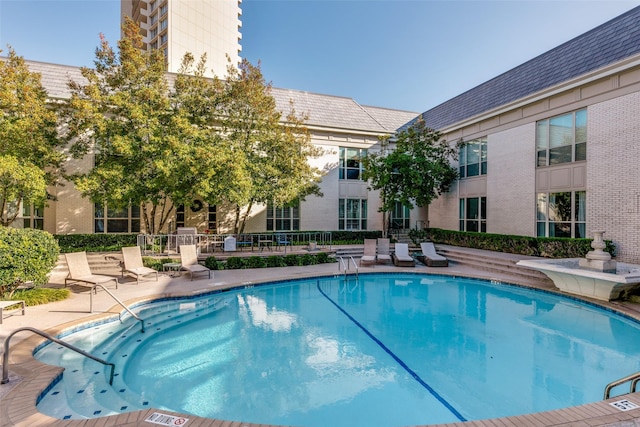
x,y
6,304
369,257
282,240
429,256
80,272
401,257
384,255
132,263
189,260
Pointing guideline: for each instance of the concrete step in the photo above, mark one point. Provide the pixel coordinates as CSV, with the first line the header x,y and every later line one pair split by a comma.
x,y
503,264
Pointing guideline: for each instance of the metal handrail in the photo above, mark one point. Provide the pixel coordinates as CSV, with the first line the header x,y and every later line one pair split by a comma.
x,y
353,261
119,302
343,265
5,357
634,378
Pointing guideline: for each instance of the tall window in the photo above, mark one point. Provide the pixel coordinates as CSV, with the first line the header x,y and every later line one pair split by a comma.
x,y
285,218
562,214
108,220
400,217
212,219
179,216
473,158
352,214
163,24
163,9
351,162
33,217
163,39
473,214
562,139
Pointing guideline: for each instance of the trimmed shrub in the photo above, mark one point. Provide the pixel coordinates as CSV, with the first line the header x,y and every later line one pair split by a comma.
x,y
275,261
26,255
292,260
255,262
234,263
550,247
308,259
213,264
324,258
98,242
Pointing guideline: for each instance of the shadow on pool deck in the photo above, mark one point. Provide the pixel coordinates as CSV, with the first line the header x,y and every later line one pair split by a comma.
x,y
28,377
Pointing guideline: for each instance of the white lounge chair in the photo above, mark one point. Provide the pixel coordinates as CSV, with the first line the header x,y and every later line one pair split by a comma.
x,y
429,256
6,304
189,260
132,263
369,256
384,254
80,272
401,257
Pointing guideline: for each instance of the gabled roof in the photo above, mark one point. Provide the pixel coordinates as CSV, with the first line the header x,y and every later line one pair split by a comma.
x,y
606,44
327,111
340,112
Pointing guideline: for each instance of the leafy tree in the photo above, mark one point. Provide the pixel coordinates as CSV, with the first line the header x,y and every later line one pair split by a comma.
x,y
416,172
28,132
20,182
274,152
148,153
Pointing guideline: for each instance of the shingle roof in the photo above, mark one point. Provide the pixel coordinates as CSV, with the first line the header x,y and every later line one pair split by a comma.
x,y
323,110
606,44
340,112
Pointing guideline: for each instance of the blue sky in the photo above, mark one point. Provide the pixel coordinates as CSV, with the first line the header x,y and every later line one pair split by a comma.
x,y
405,54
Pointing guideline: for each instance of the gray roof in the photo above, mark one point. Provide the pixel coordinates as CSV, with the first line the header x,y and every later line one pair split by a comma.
x,y
323,110
340,112
606,44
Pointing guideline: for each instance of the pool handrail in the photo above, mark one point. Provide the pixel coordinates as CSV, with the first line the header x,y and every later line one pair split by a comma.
x,y
5,356
119,302
634,378
346,266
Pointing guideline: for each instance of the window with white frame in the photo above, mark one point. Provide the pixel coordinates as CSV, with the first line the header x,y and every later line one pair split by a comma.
x,y
473,158
212,219
400,217
562,214
33,217
562,139
109,220
352,214
473,214
351,162
283,218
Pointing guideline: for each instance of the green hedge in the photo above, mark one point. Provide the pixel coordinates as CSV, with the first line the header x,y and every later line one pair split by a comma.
x,y
26,255
98,242
549,247
236,262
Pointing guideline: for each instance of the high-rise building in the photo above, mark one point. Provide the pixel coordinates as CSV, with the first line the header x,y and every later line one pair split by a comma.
x,y
196,26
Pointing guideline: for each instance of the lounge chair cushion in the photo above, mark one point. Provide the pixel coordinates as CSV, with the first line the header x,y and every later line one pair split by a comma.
x,y
429,256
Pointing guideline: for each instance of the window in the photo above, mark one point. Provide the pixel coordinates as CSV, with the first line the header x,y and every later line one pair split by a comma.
x,y
285,218
400,217
163,24
562,214
562,139
351,162
179,216
153,33
152,6
153,19
163,9
212,219
473,158
126,220
352,214
163,39
33,217
473,214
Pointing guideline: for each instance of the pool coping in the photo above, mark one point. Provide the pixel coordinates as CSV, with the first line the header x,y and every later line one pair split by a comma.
x,y
32,378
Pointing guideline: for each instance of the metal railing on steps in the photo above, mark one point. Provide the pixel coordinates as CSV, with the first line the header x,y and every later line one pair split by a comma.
x,y
345,266
116,300
5,357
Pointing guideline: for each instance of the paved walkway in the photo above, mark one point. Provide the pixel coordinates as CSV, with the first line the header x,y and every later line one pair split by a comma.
x,y
28,377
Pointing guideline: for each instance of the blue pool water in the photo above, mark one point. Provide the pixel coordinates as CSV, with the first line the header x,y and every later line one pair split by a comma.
x,y
381,350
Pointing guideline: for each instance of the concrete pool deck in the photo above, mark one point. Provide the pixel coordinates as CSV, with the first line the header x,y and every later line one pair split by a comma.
x,y
28,377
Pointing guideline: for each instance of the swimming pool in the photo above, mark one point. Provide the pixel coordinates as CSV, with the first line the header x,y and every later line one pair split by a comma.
x,y
382,350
